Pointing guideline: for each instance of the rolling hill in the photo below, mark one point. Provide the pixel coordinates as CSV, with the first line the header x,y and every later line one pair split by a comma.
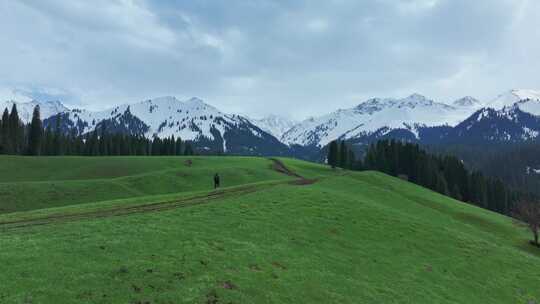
x,y
279,231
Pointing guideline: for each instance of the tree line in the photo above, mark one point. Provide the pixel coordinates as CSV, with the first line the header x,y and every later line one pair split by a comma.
x,y
33,139
340,155
442,173
515,164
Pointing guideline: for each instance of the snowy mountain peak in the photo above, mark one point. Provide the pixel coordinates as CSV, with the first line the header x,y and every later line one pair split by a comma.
x,y
466,101
164,99
509,124
195,103
416,100
511,97
377,104
195,100
526,94
25,109
374,115
417,97
274,124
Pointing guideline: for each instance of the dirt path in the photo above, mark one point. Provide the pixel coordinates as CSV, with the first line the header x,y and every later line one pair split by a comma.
x,y
152,207
280,167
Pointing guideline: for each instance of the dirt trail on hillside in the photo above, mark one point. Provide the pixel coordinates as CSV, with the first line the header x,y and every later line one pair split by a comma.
x,y
280,167
153,207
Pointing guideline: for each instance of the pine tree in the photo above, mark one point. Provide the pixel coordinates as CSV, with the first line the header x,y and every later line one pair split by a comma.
x,y
178,146
57,142
16,131
93,144
456,193
47,142
36,133
441,185
102,140
188,149
370,160
172,148
351,160
343,155
156,146
4,131
333,154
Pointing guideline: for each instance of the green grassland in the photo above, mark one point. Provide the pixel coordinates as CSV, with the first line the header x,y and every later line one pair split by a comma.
x,y
32,183
266,237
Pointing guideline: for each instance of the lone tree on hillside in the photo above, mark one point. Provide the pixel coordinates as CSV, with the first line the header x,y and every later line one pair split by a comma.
x,y
528,213
333,156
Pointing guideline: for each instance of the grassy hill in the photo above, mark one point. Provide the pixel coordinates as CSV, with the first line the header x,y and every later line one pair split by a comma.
x,y
151,230
28,183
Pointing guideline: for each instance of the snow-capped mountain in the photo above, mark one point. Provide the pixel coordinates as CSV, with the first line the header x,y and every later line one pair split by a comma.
x,y
467,101
414,118
508,125
511,97
274,124
25,109
164,117
379,115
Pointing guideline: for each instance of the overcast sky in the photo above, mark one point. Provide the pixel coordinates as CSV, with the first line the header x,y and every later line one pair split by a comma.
x,y
295,58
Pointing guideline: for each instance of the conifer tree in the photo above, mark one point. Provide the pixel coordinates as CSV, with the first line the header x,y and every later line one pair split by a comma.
x,y
15,131
57,142
178,146
333,154
441,185
47,142
4,131
36,133
188,149
456,193
444,174
343,155
351,158
156,146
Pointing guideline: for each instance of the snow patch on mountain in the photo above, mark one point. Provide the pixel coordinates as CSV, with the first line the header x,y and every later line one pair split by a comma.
x,y
528,133
26,109
409,113
531,106
513,96
529,170
467,101
274,124
166,116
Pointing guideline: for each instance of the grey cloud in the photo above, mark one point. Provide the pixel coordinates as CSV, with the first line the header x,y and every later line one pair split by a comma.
x,y
259,57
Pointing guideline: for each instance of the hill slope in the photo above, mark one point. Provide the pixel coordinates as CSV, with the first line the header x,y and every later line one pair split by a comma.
x,y
349,237
34,183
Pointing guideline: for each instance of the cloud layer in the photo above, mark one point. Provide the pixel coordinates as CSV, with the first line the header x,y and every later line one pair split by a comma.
x,y
258,57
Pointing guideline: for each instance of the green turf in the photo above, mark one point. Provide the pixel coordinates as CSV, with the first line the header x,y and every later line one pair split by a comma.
x,y
351,237
28,183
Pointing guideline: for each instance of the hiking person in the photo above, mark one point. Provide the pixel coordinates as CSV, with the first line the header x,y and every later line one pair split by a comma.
x,y
216,181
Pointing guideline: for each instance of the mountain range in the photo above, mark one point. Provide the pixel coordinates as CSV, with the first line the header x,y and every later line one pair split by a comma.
x,y
512,117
